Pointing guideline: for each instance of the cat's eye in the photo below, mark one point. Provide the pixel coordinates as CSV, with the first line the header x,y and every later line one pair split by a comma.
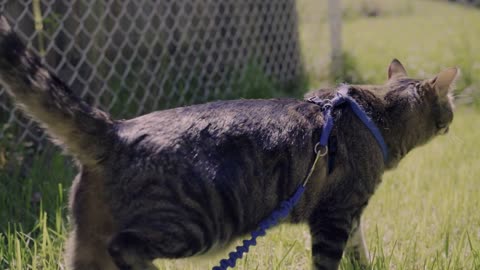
x,y
442,128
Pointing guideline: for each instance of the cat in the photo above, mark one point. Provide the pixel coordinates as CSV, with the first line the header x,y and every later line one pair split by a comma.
x,y
186,181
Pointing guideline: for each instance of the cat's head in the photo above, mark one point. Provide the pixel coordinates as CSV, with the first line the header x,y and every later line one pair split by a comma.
x,y
416,110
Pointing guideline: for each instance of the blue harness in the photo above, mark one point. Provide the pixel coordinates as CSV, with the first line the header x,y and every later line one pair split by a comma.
x,y
321,149
327,106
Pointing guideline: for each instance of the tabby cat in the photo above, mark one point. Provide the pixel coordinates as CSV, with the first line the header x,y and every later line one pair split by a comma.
x,y
186,181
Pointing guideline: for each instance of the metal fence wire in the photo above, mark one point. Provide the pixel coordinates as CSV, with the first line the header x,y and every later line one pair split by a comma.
x,y
135,56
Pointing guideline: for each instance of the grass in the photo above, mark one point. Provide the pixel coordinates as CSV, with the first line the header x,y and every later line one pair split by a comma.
x,y
431,36
33,213
423,216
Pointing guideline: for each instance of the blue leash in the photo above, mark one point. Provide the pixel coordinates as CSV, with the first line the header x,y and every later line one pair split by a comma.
x,y
282,212
321,149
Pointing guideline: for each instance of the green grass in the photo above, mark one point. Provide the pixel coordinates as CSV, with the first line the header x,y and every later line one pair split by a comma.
x,y
423,216
33,213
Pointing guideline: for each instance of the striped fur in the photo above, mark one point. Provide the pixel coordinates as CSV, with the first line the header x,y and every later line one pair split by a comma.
x,y
187,181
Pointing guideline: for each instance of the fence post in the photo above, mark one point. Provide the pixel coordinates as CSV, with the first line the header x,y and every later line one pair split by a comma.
x,y
335,23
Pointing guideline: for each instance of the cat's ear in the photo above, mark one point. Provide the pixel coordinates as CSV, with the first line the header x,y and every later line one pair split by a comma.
x,y
396,70
444,81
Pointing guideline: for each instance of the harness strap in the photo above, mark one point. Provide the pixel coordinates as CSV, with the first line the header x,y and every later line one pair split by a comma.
x,y
342,97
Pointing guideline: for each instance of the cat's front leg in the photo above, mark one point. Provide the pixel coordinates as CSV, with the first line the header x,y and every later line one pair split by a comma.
x,y
329,238
356,249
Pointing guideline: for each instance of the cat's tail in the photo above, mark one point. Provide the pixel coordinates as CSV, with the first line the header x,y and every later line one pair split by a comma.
x,y
84,131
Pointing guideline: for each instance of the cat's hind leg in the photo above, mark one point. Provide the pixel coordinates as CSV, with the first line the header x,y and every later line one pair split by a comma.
x,y
92,226
86,253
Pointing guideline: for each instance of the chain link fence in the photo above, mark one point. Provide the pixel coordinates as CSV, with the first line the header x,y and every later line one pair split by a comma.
x,y
135,56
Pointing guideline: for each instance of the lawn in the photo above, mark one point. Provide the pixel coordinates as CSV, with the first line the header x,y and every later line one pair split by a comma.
x,y
424,215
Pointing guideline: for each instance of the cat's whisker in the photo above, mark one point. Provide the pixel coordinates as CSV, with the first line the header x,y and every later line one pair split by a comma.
x,y
454,138
462,94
